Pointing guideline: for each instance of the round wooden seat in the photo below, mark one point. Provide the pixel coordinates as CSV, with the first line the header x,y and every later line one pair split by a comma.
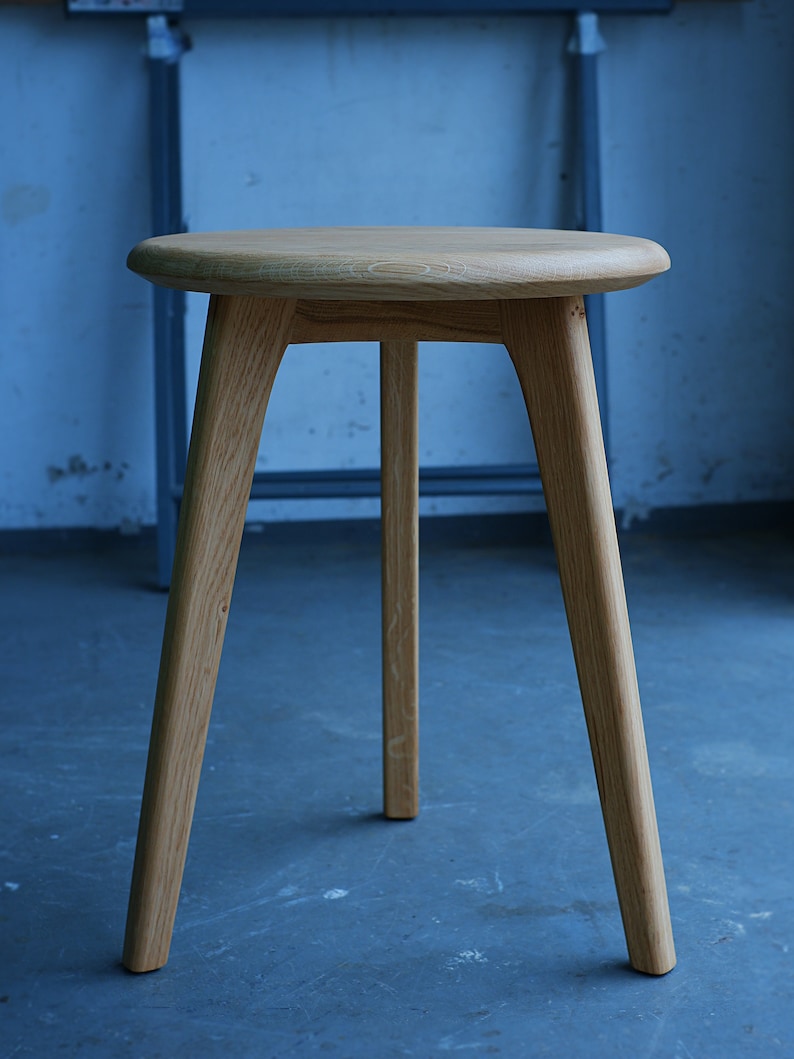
x,y
399,264
399,286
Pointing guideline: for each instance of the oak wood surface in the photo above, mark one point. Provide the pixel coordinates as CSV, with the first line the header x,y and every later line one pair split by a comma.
x,y
546,337
353,321
399,264
399,441
548,343
243,347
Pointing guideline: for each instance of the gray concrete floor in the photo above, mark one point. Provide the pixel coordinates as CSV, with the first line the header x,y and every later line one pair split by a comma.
x,y
310,925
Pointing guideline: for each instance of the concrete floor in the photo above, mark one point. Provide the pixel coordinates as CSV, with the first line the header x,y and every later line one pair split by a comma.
x,y
310,925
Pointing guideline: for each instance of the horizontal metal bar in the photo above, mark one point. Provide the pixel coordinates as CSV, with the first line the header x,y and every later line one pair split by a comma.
x,y
360,8
497,480
125,7
433,481
331,8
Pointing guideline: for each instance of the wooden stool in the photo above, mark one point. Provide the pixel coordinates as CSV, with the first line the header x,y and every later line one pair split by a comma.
x,y
398,286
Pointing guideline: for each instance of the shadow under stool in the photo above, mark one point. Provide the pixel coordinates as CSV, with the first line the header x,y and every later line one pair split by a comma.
x,y
398,286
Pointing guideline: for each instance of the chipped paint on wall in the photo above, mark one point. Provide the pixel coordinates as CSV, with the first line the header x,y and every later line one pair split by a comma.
x,y
76,467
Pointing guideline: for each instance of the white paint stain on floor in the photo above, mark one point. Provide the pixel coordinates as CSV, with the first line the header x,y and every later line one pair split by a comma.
x,y
466,957
335,895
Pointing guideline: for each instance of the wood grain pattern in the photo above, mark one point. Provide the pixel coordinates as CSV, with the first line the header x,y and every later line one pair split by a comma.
x,y
549,346
422,321
399,440
399,264
243,347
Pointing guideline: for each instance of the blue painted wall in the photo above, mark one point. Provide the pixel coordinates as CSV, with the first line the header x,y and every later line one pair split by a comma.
x,y
388,121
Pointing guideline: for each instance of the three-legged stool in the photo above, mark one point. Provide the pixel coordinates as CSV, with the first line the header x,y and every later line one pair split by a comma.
x,y
398,286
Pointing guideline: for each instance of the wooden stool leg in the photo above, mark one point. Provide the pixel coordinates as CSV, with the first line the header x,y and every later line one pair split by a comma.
x,y
400,577
244,343
548,343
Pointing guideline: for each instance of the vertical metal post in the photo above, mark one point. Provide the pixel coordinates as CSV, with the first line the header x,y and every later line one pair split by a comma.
x,y
165,48
585,45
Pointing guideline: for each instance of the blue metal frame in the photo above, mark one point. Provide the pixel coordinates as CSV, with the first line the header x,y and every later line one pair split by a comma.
x,y
586,45
165,49
169,305
356,8
352,8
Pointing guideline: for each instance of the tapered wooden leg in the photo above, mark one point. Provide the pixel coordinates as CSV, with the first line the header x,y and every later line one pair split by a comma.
x,y
548,343
400,577
243,346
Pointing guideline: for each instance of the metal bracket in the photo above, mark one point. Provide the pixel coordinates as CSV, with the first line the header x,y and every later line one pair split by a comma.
x,y
164,41
586,39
